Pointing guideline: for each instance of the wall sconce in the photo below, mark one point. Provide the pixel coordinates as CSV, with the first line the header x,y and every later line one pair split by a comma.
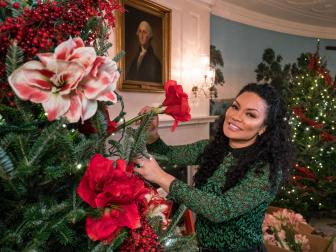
x,y
207,87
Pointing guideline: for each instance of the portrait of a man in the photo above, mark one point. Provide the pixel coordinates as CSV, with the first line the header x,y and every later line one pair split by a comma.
x,y
145,37
145,66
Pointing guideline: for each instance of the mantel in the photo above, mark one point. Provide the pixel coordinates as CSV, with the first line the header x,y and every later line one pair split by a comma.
x,y
166,122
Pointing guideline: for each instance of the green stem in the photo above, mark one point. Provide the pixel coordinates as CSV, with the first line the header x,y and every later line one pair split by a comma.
x,y
155,111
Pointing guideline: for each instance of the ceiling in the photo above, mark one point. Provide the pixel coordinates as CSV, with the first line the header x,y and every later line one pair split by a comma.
x,y
315,18
311,12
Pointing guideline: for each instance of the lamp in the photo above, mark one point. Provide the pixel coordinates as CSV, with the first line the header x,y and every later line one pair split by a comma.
x,y
206,88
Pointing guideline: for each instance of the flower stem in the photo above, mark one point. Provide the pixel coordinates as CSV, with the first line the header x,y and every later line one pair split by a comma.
x,y
155,111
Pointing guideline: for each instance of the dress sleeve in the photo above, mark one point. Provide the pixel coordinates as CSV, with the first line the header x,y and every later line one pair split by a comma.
x,y
181,155
249,193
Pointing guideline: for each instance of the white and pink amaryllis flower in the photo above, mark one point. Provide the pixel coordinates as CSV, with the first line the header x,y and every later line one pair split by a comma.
x,y
67,82
157,205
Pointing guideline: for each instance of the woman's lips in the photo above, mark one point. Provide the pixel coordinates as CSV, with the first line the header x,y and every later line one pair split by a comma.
x,y
233,127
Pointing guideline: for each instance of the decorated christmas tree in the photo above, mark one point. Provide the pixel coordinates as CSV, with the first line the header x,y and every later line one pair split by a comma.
x,y
311,94
62,188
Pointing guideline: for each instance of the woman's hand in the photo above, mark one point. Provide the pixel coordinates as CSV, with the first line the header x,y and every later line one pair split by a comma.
x,y
153,133
151,171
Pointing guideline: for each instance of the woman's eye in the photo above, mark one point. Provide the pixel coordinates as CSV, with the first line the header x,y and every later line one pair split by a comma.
x,y
251,115
234,106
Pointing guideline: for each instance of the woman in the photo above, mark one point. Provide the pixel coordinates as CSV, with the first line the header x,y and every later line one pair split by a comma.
x,y
240,170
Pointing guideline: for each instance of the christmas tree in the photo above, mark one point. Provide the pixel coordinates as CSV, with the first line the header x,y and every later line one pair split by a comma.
x,y
311,96
56,84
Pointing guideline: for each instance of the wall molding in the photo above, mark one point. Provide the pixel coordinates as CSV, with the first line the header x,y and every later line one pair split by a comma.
x,y
197,120
248,17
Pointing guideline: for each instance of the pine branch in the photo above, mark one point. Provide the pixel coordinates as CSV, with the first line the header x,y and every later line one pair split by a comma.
x,y
181,244
14,58
140,137
40,145
86,148
156,223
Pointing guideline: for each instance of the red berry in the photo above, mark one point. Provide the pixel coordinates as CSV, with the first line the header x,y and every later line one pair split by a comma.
x,y
16,5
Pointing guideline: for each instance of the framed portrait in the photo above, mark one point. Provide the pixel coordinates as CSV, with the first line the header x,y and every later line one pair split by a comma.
x,y
218,108
144,34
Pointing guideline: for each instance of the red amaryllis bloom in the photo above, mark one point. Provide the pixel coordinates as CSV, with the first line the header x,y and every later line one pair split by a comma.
x,y
176,103
108,182
107,227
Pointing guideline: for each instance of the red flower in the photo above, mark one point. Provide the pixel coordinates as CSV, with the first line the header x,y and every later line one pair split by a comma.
x,y
176,103
108,226
108,183
104,185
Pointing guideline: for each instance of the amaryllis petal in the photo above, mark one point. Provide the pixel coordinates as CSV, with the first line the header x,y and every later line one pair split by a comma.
x,y
56,106
99,172
29,84
74,113
84,56
168,84
63,50
89,107
108,96
95,87
102,78
103,64
176,102
102,229
78,42
129,216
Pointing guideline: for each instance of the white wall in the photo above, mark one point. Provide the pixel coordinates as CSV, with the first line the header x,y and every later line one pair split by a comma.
x,y
190,32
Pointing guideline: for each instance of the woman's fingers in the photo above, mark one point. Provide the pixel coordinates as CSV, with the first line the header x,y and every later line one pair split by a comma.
x,y
144,110
138,171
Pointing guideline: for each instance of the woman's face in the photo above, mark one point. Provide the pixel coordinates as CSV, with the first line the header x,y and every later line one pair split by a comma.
x,y
244,120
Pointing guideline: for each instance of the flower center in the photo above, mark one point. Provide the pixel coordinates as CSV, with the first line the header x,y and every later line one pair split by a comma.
x,y
58,81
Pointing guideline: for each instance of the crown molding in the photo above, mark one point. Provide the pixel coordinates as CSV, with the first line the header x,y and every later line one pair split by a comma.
x,y
248,17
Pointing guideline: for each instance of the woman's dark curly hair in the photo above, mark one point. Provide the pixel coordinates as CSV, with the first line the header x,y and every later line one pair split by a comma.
x,y
273,146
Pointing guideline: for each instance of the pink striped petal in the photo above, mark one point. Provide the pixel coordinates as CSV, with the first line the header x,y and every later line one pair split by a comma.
x,y
78,41
75,110
108,96
84,56
56,106
63,50
45,58
29,84
95,87
103,64
89,107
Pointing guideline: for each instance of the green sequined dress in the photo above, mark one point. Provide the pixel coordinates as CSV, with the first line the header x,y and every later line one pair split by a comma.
x,y
229,221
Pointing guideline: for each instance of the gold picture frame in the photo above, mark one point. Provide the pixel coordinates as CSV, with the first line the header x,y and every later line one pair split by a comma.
x,y
149,75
